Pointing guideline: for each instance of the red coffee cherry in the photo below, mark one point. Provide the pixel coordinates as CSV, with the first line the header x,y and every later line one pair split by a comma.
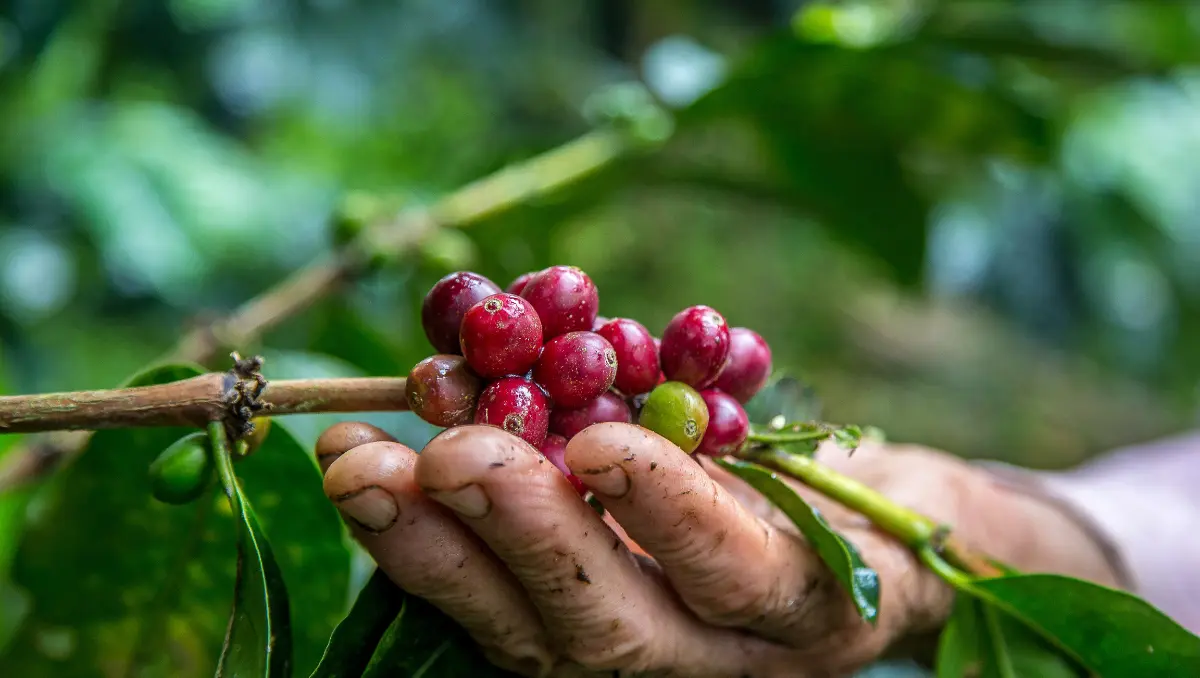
x,y
695,346
555,449
728,424
501,335
749,365
519,283
565,298
442,390
447,301
575,368
608,407
517,406
637,357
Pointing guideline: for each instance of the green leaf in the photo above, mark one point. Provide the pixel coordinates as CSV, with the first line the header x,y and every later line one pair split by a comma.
x,y
258,641
284,483
980,641
960,646
1112,633
158,578
424,643
354,640
859,580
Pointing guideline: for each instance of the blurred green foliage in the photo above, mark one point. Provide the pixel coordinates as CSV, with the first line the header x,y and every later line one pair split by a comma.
x,y
972,224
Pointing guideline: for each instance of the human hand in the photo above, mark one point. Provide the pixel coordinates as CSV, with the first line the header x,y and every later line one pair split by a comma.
x,y
690,573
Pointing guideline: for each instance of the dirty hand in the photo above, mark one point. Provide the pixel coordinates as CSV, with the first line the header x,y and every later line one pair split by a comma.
x,y
690,573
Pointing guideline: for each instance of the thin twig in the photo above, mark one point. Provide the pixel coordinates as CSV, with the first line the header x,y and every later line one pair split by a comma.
x,y
387,238
194,402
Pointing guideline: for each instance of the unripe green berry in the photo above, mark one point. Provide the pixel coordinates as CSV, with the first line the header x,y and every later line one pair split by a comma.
x,y
183,471
676,412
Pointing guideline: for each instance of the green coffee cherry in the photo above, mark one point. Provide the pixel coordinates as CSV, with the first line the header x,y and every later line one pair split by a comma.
x,y
183,471
676,412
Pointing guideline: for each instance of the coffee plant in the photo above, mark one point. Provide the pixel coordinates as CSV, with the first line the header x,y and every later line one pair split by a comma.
x,y
212,508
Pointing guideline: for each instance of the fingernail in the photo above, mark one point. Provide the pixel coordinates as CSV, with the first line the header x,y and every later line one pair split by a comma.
x,y
372,507
612,483
470,501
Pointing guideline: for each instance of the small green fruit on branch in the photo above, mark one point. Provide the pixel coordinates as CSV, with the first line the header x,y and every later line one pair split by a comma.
x,y
195,402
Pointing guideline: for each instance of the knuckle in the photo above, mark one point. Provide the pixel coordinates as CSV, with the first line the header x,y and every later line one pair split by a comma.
x,y
611,645
741,603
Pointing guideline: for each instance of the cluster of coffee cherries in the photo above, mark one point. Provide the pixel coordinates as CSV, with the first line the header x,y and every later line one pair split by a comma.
x,y
537,360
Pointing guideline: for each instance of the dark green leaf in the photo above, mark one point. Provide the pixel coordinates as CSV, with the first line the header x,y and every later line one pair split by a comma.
x,y
1112,633
284,483
960,647
859,580
354,640
258,641
97,535
158,578
980,641
424,643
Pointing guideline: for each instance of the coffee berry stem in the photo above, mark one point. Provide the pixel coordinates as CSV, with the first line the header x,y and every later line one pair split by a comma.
x,y
918,532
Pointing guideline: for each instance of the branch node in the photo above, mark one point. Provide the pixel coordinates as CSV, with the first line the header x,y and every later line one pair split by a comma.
x,y
244,397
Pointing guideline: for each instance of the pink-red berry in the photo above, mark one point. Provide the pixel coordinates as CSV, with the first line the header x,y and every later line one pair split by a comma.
x,y
442,390
695,346
637,357
444,306
599,322
517,406
565,298
555,449
728,424
749,365
608,407
575,368
518,283
501,335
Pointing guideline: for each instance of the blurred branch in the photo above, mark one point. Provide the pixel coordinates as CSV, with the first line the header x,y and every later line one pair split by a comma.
x,y
379,238
216,396
395,235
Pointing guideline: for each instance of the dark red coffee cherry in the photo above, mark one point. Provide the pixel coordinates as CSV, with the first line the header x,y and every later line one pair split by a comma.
x,y
565,298
501,335
517,406
519,283
728,424
695,346
637,358
608,407
555,449
446,303
442,390
749,365
576,368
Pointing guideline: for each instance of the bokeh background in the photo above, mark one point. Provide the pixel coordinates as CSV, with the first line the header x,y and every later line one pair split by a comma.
x,y
975,225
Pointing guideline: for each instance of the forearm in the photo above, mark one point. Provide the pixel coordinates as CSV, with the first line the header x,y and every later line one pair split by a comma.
x,y
1142,506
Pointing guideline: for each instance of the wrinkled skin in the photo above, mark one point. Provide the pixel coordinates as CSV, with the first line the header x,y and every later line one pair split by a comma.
x,y
706,579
